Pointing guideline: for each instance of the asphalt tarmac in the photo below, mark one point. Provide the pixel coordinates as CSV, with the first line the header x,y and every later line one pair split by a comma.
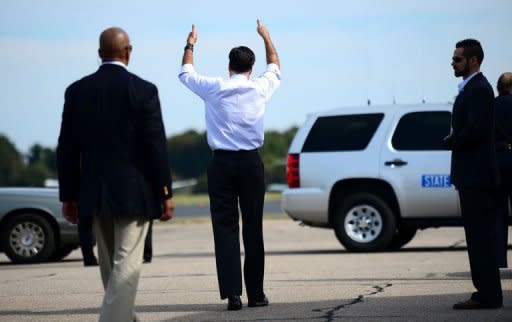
x,y
309,277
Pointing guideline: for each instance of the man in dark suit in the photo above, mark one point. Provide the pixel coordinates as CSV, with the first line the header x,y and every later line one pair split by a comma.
x,y
503,107
113,166
474,171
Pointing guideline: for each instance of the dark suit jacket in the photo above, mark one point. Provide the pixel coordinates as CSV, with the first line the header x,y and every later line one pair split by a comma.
x,y
503,107
111,155
503,110
472,140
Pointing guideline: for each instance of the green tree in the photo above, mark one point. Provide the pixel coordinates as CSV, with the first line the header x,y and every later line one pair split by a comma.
x,y
34,175
189,154
11,163
290,134
47,157
274,153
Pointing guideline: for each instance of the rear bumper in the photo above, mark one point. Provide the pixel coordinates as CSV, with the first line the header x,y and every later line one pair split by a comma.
x,y
306,204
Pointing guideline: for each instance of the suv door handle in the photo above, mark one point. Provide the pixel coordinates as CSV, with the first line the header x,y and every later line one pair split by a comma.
x,y
395,163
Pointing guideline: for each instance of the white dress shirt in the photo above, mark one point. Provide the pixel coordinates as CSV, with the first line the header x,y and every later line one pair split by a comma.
x,y
234,107
461,85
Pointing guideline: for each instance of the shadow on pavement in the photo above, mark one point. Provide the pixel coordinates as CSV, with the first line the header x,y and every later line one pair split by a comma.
x,y
324,252
365,307
62,261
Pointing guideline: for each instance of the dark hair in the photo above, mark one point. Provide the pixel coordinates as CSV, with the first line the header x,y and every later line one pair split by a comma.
x,y
472,48
505,83
241,59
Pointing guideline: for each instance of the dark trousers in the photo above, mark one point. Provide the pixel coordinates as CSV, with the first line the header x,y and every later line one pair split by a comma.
x,y
478,211
148,243
86,239
503,200
233,178
500,229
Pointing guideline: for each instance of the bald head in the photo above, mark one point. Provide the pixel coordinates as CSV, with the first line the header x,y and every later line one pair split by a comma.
x,y
115,45
505,83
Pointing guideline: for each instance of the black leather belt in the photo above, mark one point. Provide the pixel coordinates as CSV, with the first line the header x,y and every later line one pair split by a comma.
x,y
233,152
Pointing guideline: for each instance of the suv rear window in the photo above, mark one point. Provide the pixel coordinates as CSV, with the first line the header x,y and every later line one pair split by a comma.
x,y
421,131
342,133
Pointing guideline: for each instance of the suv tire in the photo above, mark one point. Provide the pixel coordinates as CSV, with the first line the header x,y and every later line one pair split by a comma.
x,y
402,236
28,238
364,222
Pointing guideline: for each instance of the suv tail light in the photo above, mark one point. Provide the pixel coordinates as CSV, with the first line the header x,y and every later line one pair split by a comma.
x,y
292,171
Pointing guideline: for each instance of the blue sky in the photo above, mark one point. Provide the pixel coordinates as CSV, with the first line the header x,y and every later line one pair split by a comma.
x,y
333,53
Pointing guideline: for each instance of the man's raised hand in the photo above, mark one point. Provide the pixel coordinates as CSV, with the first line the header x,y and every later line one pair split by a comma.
x,y
262,30
192,36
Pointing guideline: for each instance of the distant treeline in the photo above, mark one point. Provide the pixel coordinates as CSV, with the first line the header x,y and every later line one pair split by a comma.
x,y
189,156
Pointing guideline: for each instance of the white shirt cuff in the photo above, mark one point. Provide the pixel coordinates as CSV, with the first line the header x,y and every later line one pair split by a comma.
x,y
187,68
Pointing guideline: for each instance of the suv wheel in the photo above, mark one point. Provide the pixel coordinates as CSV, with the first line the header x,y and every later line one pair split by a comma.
x,y
28,238
364,222
403,235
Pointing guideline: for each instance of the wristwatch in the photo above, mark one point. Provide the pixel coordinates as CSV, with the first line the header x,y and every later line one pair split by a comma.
x,y
189,46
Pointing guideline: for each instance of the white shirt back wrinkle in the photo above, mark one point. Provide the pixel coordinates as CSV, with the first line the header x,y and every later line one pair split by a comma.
x,y
234,108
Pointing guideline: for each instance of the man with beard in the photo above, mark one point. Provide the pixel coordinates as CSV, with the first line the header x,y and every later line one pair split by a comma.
x,y
474,172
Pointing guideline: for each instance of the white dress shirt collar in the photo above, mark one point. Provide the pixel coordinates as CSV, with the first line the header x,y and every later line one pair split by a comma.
x,y
114,62
239,76
464,82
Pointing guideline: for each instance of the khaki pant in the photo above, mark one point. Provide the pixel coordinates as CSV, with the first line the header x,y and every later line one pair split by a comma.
x,y
120,247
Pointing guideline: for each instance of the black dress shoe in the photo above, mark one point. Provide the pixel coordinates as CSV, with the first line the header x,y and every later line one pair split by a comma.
x,y
475,305
263,301
234,303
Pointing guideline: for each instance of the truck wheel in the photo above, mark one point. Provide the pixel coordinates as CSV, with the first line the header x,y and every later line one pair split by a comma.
x,y
364,223
402,236
28,238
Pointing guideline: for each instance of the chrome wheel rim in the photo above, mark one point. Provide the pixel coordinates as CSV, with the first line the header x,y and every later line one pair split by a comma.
x,y
363,223
27,239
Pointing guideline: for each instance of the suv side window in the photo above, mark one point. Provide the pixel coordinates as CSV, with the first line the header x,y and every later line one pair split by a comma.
x,y
421,131
342,133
